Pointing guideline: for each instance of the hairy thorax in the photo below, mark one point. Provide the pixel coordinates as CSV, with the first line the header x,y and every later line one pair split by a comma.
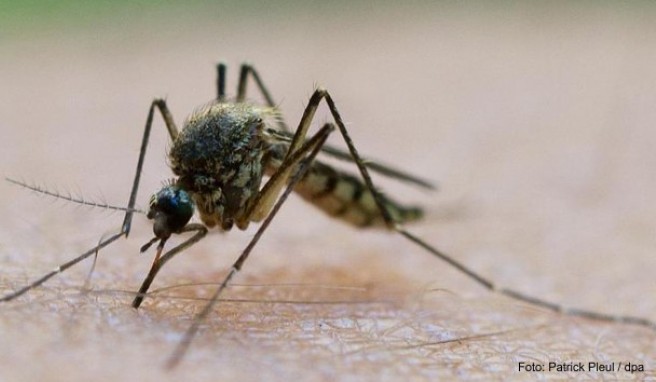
x,y
218,159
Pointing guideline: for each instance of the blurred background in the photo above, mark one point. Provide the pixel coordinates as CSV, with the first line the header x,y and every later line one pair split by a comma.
x,y
535,119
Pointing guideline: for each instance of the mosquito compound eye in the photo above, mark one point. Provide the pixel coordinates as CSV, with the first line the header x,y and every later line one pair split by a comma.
x,y
171,208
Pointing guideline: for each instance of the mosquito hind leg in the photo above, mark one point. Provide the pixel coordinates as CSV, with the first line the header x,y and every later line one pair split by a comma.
x,y
397,227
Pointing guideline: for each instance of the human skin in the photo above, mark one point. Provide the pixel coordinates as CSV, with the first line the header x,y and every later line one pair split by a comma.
x,y
541,145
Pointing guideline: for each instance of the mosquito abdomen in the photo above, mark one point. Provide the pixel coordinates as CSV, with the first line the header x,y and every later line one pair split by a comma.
x,y
346,197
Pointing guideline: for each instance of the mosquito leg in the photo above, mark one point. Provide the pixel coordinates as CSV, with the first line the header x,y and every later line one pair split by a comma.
x,y
373,165
129,211
159,261
266,198
313,146
396,226
379,168
173,133
62,268
220,81
244,70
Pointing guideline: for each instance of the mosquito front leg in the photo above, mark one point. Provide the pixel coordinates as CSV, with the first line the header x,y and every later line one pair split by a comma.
x,y
61,268
159,261
160,104
129,211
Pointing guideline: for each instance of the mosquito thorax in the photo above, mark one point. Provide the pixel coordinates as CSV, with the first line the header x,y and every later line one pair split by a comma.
x,y
218,159
171,208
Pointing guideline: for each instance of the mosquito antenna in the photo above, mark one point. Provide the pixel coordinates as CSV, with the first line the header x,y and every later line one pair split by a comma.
x,y
70,198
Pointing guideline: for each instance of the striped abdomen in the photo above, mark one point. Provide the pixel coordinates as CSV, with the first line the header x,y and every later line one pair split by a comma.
x,y
346,197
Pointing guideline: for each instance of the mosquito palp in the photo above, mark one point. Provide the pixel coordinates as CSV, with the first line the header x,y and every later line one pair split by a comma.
x,y
236,163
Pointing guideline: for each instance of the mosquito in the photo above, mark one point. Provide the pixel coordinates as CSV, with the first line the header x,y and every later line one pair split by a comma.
x,y
220,159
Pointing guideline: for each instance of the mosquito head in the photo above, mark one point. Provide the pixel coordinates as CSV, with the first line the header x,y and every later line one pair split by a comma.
x,y
171,209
